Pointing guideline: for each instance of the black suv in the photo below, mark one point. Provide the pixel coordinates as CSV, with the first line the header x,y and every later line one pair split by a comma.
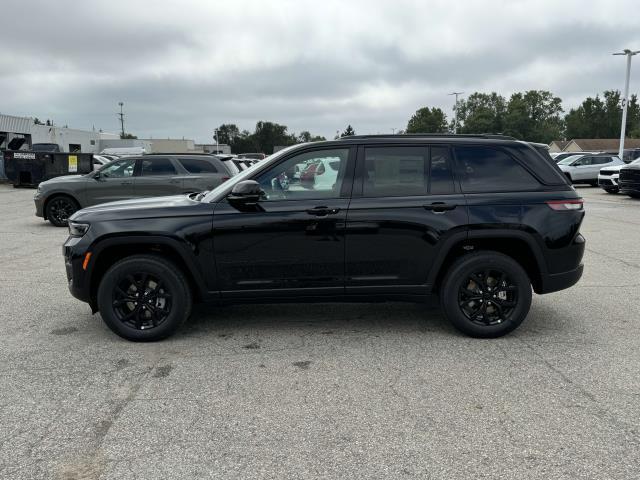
x,y
478,220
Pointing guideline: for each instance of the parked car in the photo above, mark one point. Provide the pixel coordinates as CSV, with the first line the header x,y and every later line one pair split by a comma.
x,y
479,221
562,155
100,160
122,151
253,156
608,178
629,180
151,175
321,174
585,168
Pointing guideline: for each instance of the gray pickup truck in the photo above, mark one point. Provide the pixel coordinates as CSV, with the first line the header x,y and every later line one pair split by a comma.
x,y
132,177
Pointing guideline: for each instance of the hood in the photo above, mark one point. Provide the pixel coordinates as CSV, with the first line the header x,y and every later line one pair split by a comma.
x,y
64,179
143,208
565,168
613,168
632,166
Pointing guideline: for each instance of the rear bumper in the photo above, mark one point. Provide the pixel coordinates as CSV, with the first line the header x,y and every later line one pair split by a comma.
x,y
560,281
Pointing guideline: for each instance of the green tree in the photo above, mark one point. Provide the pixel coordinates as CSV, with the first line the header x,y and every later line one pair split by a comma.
x,y
244,142
306,136
128,136
600,117
37,121
481,113
227,132
535,116
349,131
428,120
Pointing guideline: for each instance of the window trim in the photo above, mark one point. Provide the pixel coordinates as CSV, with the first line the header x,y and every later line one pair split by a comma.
x,y
458,170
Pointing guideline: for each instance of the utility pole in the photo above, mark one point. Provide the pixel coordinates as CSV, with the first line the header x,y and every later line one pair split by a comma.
x,y
628,53
455,111
393,130
121,115
215,134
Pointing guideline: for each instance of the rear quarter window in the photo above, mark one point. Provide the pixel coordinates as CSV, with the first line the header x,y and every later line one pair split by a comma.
x,y
487,169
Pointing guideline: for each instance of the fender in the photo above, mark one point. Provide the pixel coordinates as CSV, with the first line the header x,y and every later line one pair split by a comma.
x,y
180,248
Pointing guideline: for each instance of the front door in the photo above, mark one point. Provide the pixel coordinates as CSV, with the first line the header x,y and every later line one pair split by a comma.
x,y
112,183
292,243
405,206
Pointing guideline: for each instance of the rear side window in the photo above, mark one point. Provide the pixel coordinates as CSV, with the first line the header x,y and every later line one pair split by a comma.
x,y
194,165
395,171
486,169
157,166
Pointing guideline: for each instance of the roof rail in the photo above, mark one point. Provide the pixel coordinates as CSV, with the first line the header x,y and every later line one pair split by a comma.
x,y
433,135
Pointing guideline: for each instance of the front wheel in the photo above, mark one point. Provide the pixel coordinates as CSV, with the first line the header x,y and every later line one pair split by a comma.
x,y
486,294
144,298
611,190
59,209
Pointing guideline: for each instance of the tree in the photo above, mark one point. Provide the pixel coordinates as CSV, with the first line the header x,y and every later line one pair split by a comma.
x,y
348,132
600,118
127,136
481,113
428,120
227,132
534,116
305,136
36,121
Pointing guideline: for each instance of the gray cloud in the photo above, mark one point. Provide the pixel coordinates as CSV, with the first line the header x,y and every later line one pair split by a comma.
x,y
184,69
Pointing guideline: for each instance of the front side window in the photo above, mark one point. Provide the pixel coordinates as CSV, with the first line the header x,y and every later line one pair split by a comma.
x,y
157,166
119,169
310,175
485,169
395,171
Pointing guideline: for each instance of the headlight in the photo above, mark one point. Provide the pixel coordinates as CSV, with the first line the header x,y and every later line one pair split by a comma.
x,y
78,229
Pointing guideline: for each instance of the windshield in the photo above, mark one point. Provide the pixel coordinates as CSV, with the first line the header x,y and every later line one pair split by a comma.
x,y
228,185
568,160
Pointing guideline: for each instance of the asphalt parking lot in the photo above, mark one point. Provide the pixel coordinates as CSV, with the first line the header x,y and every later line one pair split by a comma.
x,y
321,391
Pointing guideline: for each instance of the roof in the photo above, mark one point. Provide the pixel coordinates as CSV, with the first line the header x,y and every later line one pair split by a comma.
x,y
561,143
605,143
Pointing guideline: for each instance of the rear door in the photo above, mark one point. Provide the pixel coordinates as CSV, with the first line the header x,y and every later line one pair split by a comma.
x,y
582,169
157,176
405,206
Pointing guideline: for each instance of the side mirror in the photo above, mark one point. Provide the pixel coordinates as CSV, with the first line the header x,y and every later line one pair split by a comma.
x,y
247,192
97,175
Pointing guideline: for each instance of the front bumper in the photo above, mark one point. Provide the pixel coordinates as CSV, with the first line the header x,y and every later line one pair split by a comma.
x,y
77,278
630,188
608,182
39,199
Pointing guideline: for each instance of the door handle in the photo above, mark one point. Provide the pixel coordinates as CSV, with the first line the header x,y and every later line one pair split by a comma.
x,y
439,207
322,211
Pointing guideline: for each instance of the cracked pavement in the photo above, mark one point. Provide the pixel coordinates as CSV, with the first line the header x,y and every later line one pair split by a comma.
x,y
332,390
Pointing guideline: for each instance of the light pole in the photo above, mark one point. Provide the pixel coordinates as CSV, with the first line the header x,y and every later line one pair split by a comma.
x,y
393,131
215,134
625,100
455,110
121,115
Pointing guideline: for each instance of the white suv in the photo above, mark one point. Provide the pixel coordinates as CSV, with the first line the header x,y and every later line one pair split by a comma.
x,y
586,168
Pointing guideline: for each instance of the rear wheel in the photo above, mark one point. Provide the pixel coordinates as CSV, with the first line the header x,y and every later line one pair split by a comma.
x,y
59,209
144,298
486,294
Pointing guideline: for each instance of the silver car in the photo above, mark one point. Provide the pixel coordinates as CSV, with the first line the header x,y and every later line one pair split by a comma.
x,y
582,168
145,176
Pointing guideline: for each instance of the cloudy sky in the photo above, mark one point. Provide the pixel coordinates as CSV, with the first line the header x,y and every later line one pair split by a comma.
x,y
184,67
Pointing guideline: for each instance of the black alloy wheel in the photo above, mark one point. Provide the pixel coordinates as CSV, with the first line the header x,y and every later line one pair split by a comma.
x,y
59,209
488,297
486,294
144,298
142,301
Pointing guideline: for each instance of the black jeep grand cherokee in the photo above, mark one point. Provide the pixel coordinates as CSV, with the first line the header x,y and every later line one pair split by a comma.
x,y
478,220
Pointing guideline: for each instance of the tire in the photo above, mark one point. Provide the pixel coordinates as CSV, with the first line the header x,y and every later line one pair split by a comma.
x,y
634,195
144,321
593,183
497,313
613,191
59,209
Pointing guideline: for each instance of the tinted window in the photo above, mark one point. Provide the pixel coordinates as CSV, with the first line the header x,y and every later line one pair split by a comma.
x,y
196,165
441,179
310,175
395,171
157,166
119,168
600,160
485,169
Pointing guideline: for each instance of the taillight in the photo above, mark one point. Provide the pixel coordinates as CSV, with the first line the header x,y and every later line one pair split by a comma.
x,y
564,205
